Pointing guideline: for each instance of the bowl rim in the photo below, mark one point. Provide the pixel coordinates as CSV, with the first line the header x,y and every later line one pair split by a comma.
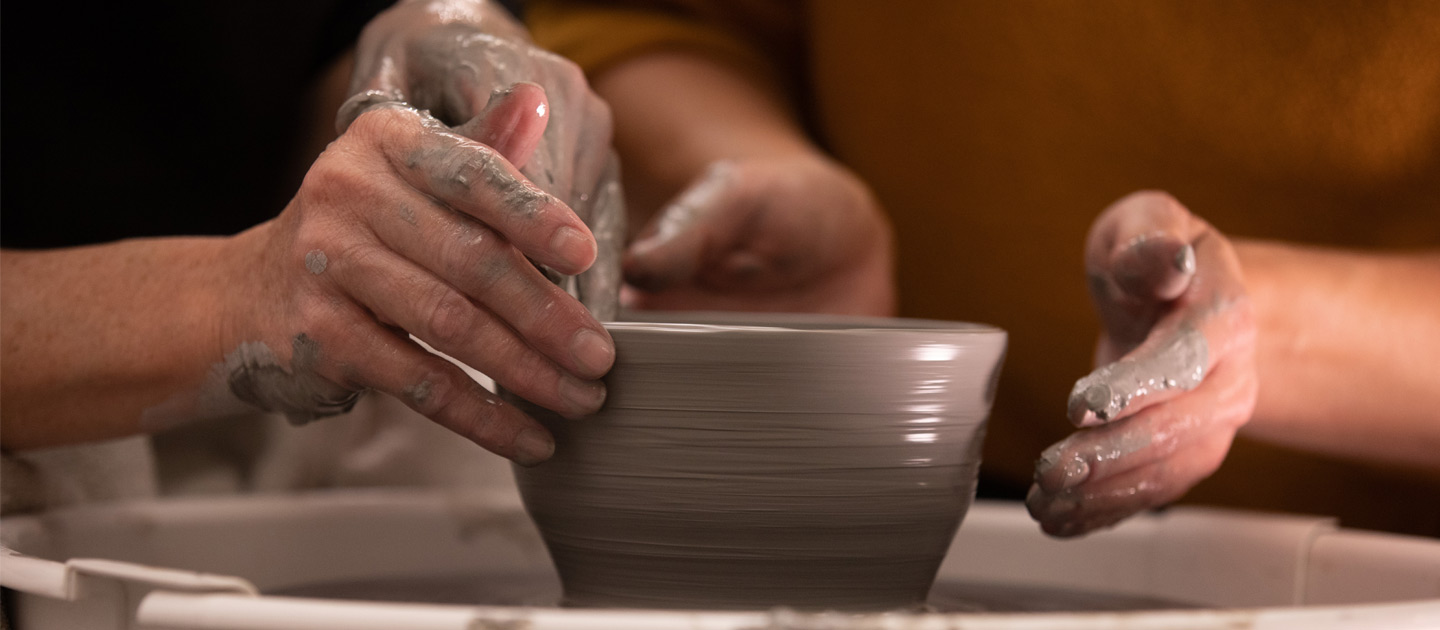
x,y
716,322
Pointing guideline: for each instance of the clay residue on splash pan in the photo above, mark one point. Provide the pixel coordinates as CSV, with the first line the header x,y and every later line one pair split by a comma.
x,y
722,501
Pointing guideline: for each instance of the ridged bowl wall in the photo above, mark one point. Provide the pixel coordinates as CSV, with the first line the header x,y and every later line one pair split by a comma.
x,y
742,462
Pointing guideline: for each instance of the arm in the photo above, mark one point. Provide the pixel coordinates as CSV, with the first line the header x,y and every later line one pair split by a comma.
x,y
733,206
1348,352
403,226
94,336
677,112
741,211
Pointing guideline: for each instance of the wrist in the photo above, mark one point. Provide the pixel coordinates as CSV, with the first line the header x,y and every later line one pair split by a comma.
x,y
678,112
233,301
486,15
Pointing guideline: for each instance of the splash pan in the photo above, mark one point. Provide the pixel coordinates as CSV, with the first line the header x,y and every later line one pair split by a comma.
x,y
386,559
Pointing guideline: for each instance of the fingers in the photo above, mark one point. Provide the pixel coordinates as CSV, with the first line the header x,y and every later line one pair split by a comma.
x,y
396,290
1098,477
512,122
1094,455
437,389
480,264
1169,363
674,249
1104,503
476,180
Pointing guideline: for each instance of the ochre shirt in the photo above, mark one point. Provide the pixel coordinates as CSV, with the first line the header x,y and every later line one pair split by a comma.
x,y
993,133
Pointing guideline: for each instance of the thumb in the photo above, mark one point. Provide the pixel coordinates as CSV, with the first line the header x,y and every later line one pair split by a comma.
x,y
672,250
1139,257
512,122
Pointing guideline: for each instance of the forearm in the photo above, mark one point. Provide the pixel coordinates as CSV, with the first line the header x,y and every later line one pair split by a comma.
x,y
94,337
676,112
1348,352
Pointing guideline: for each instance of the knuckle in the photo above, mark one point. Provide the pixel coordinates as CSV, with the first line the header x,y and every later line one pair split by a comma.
x,y
311,232
552,318
461,405
437,393
533,377
316,317
334,177
469,165
480,422
381,121
449,318
487,275
466,254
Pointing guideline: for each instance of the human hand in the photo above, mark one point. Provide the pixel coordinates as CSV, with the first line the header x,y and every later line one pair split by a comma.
x,y
449,57
794,233
405,227
1178,373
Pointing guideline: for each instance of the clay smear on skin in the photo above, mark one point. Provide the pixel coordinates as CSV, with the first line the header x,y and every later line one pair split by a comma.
x,y
1108,391
1076,467
255,376
315,261
464,164
251,379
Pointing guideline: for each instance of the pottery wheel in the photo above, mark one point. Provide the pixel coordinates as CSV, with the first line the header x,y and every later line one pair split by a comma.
x,y
543,589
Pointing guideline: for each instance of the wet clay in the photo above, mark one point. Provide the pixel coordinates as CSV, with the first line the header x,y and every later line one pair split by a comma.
x,y
1076,467
1179,363
450,65
255,377
811,462
250,379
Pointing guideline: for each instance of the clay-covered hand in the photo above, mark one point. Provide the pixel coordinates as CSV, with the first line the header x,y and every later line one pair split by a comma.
x,y
796,233
402,227
449,56
1177,375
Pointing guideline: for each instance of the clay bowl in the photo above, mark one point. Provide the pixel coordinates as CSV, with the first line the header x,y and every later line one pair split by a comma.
x,y
743,462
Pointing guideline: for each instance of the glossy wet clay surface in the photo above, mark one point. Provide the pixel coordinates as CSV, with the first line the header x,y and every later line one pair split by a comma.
x,y
810,462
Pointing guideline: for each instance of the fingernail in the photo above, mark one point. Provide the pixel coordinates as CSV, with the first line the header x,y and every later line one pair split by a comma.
x,y
572,245
584,397
592,352
1075,471
500,132
1048,458
1185,259
1097,398
533,446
